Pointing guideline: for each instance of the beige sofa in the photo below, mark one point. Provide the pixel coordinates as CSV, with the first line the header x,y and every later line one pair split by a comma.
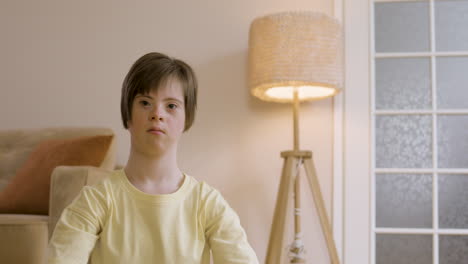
x,y
24,238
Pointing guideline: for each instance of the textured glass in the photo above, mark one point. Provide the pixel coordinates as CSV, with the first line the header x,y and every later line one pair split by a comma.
x,y
451,20
403,83
452,141
403,141
402,26
452,82
453,249
404,200
453,201
403,249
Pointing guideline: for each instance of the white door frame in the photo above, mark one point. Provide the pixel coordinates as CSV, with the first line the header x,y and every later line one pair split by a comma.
x,y
352,138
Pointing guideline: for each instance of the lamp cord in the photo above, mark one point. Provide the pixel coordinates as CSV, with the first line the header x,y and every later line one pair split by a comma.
x,y
296,249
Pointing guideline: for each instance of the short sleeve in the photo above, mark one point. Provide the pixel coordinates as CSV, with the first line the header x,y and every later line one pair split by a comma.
x,y
78,228
224,233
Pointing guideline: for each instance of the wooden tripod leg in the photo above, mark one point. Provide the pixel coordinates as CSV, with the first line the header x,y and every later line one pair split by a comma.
x,y
275,244
320,206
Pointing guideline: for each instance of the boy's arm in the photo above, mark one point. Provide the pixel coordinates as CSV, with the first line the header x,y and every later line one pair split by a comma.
x,y
224,233
77,230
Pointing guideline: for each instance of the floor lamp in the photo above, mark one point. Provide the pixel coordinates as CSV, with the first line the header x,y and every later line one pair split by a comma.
x,y
293,57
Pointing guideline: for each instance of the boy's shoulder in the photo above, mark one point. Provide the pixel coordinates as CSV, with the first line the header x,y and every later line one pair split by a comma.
x,y
107,180
201,185
205,190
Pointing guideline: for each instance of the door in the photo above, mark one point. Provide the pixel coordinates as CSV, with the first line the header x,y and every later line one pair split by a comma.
x,y
406,132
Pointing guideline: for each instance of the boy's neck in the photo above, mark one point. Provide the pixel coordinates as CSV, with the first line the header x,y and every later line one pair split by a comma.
x,y
160,170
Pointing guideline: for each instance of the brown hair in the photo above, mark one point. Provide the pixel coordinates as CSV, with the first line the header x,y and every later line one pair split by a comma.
x,y
149,72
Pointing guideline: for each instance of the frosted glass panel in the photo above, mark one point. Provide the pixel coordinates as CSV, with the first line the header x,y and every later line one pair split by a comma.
x,y
403,83
404,200
402,26
452,82
403,249
451,20
403,141
453,201
452,137
453,249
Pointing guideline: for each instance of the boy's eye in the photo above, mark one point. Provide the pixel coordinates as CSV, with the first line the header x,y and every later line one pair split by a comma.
x,y
144,103
172,106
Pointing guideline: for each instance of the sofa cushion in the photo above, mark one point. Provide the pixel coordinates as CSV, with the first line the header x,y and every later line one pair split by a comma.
x,y
23,219
17,144
23,239
28,191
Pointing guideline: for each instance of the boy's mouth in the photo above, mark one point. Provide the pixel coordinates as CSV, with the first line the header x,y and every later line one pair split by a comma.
x,y
156,130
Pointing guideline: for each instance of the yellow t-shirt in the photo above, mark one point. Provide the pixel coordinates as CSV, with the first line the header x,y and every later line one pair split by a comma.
x,y
114,222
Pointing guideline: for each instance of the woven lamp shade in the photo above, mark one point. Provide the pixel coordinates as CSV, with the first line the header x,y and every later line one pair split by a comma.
x,y
295,50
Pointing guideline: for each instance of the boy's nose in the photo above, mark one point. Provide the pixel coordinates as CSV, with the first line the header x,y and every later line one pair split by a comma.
x,y
157,114
154,118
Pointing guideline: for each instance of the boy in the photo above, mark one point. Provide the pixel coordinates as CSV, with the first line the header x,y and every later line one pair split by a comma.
x,y
150,211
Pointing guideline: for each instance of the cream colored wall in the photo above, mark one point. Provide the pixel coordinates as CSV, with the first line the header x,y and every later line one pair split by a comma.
x,y
62,64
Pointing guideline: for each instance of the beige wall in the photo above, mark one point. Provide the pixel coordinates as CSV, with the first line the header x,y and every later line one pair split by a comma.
x,y
62,64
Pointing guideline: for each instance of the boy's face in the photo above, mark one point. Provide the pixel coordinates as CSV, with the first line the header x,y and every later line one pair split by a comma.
x,y
158,119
